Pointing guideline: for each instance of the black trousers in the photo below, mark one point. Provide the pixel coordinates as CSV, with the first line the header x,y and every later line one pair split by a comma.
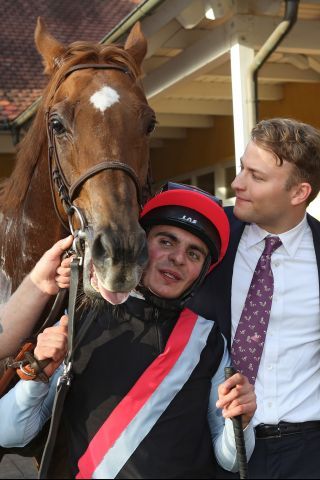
x,y
292,456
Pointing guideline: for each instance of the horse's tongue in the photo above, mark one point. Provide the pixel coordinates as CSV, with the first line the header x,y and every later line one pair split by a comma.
x,y
112,297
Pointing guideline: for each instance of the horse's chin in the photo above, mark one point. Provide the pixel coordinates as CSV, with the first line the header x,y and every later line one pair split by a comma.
x,y
115,298
95,289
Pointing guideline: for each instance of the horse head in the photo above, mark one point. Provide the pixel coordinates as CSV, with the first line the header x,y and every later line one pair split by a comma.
x,y
98,122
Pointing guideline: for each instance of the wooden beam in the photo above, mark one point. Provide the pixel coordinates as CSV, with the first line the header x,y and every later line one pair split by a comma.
x,y
211,46
270,72
218,91
159,38
192,107
167,132
182,120
162,15
254,31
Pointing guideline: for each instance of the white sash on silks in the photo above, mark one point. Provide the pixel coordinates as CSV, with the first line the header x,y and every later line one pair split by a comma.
x,y
139,410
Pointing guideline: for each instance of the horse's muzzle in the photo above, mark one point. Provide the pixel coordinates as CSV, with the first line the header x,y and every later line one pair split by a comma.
x,y
117,260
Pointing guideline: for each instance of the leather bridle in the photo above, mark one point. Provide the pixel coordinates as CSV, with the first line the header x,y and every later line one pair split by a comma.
x,y
58,181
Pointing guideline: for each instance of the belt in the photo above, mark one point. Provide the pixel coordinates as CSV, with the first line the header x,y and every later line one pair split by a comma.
x,y
284,428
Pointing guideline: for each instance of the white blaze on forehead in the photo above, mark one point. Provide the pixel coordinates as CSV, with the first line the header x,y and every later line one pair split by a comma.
x,y
104,98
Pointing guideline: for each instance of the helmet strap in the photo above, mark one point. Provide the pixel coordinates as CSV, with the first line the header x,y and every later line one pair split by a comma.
x,y
189,293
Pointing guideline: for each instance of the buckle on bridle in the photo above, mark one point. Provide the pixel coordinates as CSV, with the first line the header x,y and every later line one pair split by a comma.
x,y
66,376
74,211
79,235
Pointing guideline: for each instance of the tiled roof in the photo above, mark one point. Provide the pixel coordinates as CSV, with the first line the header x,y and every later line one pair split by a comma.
x,y
21,77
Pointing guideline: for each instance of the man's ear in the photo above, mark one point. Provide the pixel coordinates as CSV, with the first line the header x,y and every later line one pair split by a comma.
x,y
300,193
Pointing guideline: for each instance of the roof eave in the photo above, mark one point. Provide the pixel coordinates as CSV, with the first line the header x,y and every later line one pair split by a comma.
x,y
137,14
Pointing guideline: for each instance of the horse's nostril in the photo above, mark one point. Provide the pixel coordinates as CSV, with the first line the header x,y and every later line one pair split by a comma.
x,y
101,248
104,240
111,248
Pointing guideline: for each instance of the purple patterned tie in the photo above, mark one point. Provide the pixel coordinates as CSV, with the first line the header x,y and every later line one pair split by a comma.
x,y
251,332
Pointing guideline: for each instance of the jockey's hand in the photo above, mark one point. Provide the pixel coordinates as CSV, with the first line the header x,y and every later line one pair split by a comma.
x,y
53,343
237,397
45,274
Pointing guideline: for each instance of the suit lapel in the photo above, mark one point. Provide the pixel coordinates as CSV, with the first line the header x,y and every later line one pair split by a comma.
x,y
315,229
223,279
213,300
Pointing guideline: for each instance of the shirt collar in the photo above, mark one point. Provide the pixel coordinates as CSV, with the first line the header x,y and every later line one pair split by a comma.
x,y
291,239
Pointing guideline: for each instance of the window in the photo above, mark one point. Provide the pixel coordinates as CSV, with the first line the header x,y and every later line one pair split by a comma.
x,y
216,180
186,181
206,182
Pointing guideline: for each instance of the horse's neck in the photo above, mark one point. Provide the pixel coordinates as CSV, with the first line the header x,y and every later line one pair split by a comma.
x,y
27,233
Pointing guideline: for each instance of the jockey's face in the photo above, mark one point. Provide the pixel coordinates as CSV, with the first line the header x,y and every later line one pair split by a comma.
x,y
176,258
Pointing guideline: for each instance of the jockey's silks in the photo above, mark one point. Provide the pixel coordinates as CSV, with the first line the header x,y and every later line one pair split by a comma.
x,y
136,414
138,404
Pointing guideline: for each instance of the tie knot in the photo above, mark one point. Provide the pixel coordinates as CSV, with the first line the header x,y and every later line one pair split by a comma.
x,y
271,244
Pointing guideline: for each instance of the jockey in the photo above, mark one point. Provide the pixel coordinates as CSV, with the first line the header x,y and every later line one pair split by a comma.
x,y
148,378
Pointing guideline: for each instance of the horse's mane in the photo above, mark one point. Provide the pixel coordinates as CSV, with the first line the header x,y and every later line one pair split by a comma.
x,y
13,190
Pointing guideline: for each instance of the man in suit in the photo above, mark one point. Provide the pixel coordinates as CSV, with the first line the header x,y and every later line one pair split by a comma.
x,y
279,177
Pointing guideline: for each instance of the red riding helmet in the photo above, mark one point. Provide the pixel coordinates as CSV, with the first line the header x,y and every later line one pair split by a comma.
x,y
194,210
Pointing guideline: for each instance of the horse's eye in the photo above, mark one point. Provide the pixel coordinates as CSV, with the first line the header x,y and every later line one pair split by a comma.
x,y
57,126
151,126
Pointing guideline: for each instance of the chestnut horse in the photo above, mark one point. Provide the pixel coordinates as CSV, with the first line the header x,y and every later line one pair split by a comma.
x,y
94,120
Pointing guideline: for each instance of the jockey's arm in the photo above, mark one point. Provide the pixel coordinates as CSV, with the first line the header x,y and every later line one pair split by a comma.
x,y
26,407
20,314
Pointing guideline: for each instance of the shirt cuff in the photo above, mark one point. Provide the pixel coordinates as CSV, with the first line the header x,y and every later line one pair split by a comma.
x,y
248,434
27,392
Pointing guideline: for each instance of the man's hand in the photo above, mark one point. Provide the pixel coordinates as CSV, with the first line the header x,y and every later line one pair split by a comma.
x,y
63,273
237,397
53,343
46,275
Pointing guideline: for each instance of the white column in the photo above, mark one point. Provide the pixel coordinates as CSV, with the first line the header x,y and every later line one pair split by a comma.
x,y
314,207
241,59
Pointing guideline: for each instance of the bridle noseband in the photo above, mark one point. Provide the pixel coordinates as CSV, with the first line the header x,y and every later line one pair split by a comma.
x,y
58,180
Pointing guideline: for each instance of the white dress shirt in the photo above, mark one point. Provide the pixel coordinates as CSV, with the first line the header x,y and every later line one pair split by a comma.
x,y
288,381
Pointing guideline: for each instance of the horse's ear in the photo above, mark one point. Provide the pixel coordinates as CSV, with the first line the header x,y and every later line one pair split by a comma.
x,y
136,44
49,48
